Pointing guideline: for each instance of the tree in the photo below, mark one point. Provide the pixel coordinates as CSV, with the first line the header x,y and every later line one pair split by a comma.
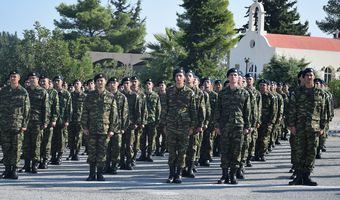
x,y
208,34
332,21
281,18
283,70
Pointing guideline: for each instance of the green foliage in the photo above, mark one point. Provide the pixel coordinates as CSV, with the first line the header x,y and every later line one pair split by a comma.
x,y
334,87
283,70
208,34
332,21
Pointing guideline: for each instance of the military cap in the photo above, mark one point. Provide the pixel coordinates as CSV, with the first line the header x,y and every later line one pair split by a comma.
x,y
205,79
273,82
189,71
232,70
225,83
218,82
113,79
161,82
125,79
148,80
178,70
134,78
42,77
13,72
263,81
75,81
307,70
98,76
89,81
240,73
58,77
280,84
249,75
33,74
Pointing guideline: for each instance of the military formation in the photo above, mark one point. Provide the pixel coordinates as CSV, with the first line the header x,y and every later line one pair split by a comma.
x,y
193,120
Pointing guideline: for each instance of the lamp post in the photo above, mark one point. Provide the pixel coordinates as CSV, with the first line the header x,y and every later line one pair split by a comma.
x,y
247,60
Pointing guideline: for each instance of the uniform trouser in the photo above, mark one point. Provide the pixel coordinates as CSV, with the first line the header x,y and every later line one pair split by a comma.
x,y
160,139
216,145
262,141
136,142
306,145
75,133
207,142
147,143
292,150
45,148
192,149
199,146
126,150
97,149
231,143
58,139
177,144
253,138
323,138
11,147
32,142
245,148
113,148
272,134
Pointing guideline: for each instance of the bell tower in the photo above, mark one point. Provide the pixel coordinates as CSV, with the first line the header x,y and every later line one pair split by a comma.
x,y
260,18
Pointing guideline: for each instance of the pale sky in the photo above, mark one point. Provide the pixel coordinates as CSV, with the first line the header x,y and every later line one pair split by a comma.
x,y
18,15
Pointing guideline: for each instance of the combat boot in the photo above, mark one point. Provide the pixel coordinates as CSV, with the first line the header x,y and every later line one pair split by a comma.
x,y
34,167
92,175
100,176
240,172
178,176
122,164
248,163
14,173
298,179
128,166
318,154
171,175
2,161
190,173
148,158
7,173
71,155
306,180
232,176
27,166
76,156
59,158
293,175
225,176
142,156
107,168
205,163
114,168
53,160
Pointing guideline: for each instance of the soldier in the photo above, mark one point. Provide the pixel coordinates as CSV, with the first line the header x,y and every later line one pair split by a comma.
x,y
216,140
99,120
59,132
255,118
209,132
134,120
278,111
194,138
218,86
75,130
14,109
115,143
153,105
161,135
45,148
268,114
282,89
38,121
232,123
307,120
135,87
180,120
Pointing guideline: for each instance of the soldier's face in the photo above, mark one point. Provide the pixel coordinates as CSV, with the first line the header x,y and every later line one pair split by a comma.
x,y
134,84
179,78
218,87
190,78
113,85
149,86
309,78
127,85
100,83
77,86
58,83
91,86
207,85
233,78
45,83
263,87
250,81
34,81
162,87
14,79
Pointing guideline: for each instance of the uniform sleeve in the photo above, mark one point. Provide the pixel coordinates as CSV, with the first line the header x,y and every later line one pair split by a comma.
x,y
323,113
207,109
125,115
280,107
291,119
259,107
68,108
114,119
165,109
25,114
85,114
54,108
158,110
201,110
193,112
45,109
218,110
246,111
273,109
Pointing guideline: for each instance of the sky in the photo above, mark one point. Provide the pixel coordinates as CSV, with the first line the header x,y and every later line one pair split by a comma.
x,y
18,15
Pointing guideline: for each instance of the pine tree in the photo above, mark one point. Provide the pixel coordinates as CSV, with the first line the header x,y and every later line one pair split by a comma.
x,y
332,21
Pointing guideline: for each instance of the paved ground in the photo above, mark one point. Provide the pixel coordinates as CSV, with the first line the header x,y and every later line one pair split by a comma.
x,y
268,180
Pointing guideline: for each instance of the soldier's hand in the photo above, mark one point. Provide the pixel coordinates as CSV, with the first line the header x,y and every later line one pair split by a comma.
x,y
122,131
66,124
199,129
110,134
218,131
321,132
141,126
292,130
191,131
53,124
205,127
86,131
257,125
23,129
246,131
44,126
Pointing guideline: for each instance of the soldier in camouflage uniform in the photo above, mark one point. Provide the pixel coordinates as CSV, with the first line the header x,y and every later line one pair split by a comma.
x,y
284,130
59,132
115,143
194,139
232,123
255,119
272,90
161,135
99,120
134,120
38,121
45,147
268,118
75,130
209,132
153,105
14,110
307,120
135,87
180,119
216,140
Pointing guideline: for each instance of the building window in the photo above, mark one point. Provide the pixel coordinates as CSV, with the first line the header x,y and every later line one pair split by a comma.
x,y
328,75
253,70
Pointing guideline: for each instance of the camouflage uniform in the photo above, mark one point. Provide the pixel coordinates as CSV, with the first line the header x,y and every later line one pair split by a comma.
x,y
143,119
278,123
274,124
99,117
59,134
38,118
14,109
45,148
115,143
161,135
75,130
284,117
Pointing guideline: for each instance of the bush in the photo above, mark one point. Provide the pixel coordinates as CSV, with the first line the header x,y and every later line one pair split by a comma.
x,y
334,86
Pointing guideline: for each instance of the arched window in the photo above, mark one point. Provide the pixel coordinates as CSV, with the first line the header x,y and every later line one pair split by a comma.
x,y
328,75
253,70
